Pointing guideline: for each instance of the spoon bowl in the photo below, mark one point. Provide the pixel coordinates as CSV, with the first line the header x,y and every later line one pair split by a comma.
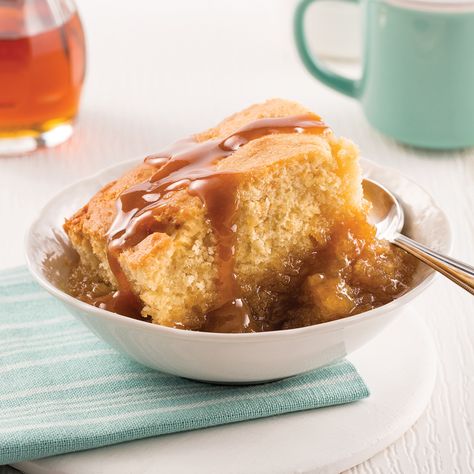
x,y
386,213
387,216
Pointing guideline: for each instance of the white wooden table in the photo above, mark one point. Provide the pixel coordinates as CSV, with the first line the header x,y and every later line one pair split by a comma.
x,y
158,71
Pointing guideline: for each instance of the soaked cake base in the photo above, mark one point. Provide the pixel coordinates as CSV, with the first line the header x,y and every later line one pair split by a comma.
x,y
353,273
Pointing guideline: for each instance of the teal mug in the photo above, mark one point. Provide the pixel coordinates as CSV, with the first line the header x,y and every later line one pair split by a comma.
x,y
417,84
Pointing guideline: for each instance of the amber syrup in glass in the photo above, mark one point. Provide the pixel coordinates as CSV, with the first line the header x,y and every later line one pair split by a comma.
x,y
41,74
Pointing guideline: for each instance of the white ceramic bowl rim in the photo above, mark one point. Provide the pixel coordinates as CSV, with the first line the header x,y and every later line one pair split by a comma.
x,y
208,336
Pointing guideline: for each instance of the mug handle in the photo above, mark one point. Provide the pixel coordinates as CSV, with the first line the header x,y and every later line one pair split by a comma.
x,y
313,65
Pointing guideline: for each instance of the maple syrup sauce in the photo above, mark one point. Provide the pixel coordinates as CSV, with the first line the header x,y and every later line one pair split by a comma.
x,y
191,165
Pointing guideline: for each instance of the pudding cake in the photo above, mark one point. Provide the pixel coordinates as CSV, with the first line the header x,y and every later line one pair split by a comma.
x,y
256,224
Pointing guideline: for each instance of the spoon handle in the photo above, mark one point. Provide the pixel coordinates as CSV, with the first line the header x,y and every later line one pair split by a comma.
x,y
457,271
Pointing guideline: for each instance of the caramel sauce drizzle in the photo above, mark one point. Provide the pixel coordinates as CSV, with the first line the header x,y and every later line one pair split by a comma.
x,y
191,165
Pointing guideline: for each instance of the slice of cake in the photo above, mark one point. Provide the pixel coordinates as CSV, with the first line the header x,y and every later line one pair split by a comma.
x,y
220,232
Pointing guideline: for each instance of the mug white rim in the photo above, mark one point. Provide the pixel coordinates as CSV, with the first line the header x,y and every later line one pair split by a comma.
x,y
454,6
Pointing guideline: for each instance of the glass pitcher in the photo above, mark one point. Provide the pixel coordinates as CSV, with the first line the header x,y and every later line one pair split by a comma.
x,y
42,65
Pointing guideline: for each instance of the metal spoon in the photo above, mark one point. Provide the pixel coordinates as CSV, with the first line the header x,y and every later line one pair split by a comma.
x,y
387,216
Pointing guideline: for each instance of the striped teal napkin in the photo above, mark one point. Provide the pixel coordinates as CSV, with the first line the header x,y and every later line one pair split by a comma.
x,y
64,390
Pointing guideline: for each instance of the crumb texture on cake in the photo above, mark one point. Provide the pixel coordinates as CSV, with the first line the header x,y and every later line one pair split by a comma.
x,y
293,189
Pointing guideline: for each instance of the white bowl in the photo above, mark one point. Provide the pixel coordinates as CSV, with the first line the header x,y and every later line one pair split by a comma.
x,y
228,358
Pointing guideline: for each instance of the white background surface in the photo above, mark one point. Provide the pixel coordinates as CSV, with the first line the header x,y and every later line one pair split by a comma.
x,y
159,70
